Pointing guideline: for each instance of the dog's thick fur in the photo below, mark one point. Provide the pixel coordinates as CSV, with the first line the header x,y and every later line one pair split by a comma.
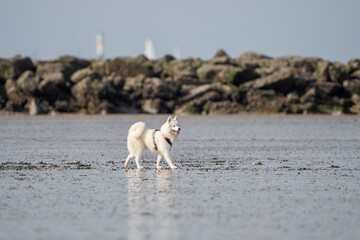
x,y
158,141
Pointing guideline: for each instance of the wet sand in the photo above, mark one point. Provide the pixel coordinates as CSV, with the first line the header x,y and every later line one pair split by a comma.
x,y
240,177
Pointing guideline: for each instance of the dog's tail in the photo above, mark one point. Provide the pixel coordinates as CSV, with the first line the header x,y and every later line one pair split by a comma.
x,y
136,130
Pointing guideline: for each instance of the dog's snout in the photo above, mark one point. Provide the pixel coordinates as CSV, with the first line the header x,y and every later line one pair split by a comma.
x,y
179,129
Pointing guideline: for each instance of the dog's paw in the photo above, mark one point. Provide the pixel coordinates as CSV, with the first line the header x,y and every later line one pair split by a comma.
x,y
174,167
158,167
140,167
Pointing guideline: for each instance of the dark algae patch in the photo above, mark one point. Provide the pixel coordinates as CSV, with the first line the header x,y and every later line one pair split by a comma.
x,y
18,166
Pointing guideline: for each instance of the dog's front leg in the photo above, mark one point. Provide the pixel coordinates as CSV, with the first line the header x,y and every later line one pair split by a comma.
x,y
158,161
168,160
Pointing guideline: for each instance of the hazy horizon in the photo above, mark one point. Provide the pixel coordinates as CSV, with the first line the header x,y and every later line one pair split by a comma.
x,y
48,29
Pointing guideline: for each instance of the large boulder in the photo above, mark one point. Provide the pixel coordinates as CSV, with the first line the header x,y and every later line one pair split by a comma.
x,y
313,95
53,85
181,69
59,71
251,57
241,76
49,89
16,100
200,104
110,89
252,60
13,67
209,72
352,85
338,72
292,97
6,69
221,57
220,68
227,91
102,67
118,81
321,72
160,64
282,81
83,73
305,64
265,101
81,90
355,98
195,93
353,65
126,67
330,72
44,69
165,89
10,86
28,82
209,98
332,89
88,92
22,64
133,86
355,74
114,89
76,63
141,87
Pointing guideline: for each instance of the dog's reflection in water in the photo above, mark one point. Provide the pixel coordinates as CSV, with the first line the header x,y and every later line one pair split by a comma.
x,y
152,204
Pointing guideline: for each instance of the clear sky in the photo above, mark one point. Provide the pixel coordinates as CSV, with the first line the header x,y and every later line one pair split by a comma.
x,y
46,29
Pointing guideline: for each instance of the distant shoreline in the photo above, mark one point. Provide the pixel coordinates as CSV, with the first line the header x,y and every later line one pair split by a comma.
x,y
240,115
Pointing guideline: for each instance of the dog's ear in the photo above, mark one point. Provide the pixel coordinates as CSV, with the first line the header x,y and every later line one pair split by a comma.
x,y
169,119
175,118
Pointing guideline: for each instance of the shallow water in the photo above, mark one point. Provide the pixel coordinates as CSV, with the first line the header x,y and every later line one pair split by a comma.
x,y
240,177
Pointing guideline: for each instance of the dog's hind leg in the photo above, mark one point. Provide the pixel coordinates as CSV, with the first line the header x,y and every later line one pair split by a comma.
x,y
158,161
126,163
137,161
169,161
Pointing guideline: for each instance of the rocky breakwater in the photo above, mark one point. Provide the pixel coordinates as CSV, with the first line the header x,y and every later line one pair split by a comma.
x,y
252,83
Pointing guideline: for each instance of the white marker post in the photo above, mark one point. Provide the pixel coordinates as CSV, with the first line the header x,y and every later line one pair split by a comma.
x,y
99,45
149,51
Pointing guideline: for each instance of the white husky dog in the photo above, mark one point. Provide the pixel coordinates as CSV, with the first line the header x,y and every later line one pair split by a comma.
x,y
156,140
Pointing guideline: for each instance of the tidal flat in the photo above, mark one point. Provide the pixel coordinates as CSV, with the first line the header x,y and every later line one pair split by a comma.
x,y
239,177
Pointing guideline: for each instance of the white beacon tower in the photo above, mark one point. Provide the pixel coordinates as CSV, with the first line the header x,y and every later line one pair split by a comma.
x,y
149,51
99,45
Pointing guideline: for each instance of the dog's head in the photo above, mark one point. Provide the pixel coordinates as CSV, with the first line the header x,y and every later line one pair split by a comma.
x,y
174,125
